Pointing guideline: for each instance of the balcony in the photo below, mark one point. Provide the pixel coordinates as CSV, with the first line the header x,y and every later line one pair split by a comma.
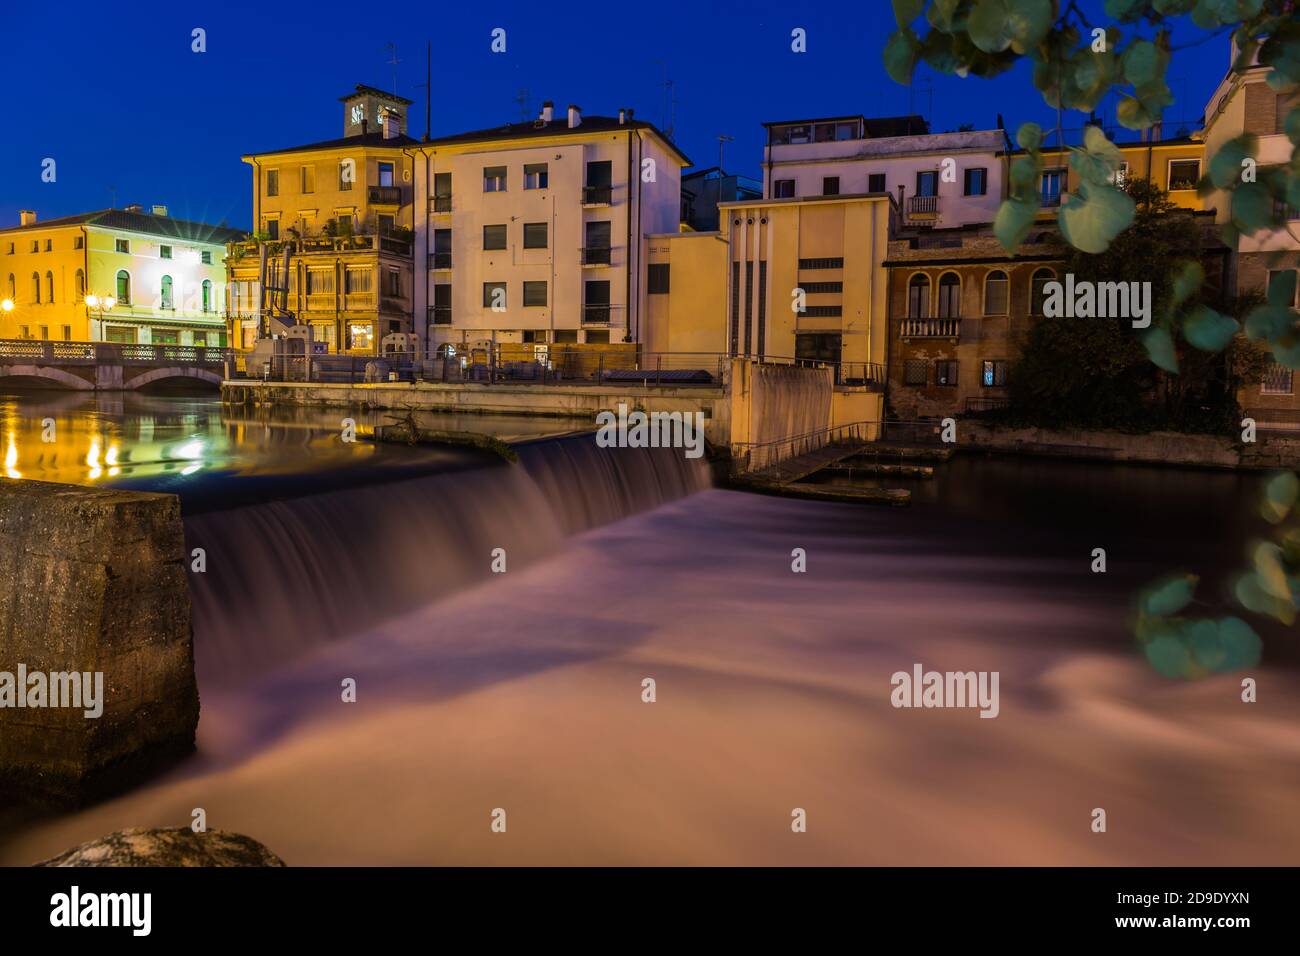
x,y
441,204
923,207
440,260
440,315
595,255
397,245
931,328
597,195
1049,200
384,195
595,315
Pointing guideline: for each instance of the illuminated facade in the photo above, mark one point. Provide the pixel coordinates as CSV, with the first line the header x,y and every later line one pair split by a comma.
x,y
149,278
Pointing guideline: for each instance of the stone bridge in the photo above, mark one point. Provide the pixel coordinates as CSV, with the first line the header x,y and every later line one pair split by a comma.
x,y
106,366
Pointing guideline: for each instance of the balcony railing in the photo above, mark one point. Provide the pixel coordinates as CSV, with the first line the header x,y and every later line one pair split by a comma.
x,y
324,244
1049,200
923,206
385,195
597,195
440,315
595,314
931,328
442,204
440,260
595,255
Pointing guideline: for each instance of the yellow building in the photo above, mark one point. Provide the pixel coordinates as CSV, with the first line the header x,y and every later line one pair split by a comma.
x,y
342,210
116,275
1173,165
799,280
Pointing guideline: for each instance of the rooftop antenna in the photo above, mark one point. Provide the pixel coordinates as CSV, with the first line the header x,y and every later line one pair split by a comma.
x,y
723,139
112,191
669,117
392,47
925,88
521,97
427,86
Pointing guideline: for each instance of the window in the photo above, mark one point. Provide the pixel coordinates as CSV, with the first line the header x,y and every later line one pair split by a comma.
x,y
976,181
205,257
600,182
1038,290
1184,173
80,285
49,245
307,179
273,229
994,374
1278,283
595,301
598,336
385,224
783,189
441,249
67,333
535,176
36,245
949,296
927,182
657,278
827,347
123,287
13,286
273,182
24,331
1050,187
997,289
361,335
393,283
207,295
915,372
535,235
164,252
596,248
49,289
442,192
918,297
442,304
494,237
945,373
876,183
78,242
494,179
165,337
534,294
1277,380
830,186
1121,174
566,337
122,245
385,174
494,295
36,287
166,300
347,173
42,332
836,263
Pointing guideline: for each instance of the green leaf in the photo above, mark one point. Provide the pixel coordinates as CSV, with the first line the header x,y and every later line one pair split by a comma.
x,y
1281,290
1030,20
1160,348
1291,125
1226,166
1125,9
1187,282
1280,496
1014,220
1208,330
1093,215
1241,645
905,11
1252,207
1268,322
1140,63
1169,656
1169,596
1270,574
900,55
1098,159
989,25
1029,136
943,15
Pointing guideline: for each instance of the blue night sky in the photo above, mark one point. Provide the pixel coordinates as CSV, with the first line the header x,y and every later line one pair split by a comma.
x,y
113,93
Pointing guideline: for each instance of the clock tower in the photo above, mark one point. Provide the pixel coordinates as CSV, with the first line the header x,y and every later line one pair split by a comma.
x,y
363,110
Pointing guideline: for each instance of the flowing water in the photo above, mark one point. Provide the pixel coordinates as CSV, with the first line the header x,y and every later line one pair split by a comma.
x,y
524,690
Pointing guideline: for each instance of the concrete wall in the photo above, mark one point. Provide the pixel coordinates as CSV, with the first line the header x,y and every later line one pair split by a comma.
x,y
94,580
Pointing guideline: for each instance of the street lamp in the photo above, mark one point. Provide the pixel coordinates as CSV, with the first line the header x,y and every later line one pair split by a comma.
x,y
6,305
99,305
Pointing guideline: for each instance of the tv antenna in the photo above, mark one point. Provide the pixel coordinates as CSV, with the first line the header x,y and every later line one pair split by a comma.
x,y
723,139
393,61
669,116
521,97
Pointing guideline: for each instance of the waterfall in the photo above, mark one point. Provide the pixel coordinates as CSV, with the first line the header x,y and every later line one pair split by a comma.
x,y
284,576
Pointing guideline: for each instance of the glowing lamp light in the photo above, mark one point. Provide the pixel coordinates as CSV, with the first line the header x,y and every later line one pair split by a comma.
x,y
191,450
109,302
92,301
7,305
11,459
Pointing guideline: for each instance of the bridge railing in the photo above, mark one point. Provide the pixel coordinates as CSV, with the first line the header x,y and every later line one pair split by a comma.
x,y
48,352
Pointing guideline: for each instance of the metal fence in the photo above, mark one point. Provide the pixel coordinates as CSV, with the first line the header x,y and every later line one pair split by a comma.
x,y
55,352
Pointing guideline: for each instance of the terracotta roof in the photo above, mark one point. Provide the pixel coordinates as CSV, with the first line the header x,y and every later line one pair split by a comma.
x,y
369,140
533,129
145,222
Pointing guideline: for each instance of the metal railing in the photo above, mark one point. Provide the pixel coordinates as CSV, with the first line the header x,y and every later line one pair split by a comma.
x,y
923,205
384,195
440,260
930,328
397,245
442,204
597,195
55,352
596,255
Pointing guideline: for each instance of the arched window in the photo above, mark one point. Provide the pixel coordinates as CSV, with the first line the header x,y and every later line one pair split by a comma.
x,y
123,287
918,297
81,285
13,286
1037,290
207,295
996,289
36,287
49,287
167,293
949,296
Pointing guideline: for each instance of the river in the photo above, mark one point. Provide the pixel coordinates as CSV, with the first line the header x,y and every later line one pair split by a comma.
x,y
523,691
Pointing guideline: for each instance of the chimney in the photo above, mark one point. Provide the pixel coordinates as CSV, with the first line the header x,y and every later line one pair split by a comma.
x,y
575,117
26,217
134,207
548,112
160,210
391,125
622,117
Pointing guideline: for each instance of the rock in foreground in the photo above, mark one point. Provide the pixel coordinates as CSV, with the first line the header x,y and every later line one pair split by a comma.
x,y
169,846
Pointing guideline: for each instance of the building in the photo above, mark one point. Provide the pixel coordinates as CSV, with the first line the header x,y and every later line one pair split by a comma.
x,y
343,212
532,233
1244,103
704,189
115,275
784,279
941,180
1172,165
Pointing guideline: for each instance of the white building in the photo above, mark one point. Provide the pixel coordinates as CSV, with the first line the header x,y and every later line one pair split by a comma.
x,y
941,180
534,232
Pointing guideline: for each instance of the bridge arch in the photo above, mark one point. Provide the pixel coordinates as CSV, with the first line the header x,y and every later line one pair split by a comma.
x,y
178,372
50,373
